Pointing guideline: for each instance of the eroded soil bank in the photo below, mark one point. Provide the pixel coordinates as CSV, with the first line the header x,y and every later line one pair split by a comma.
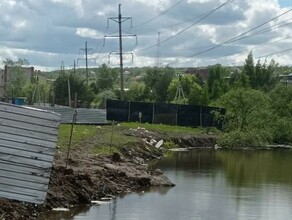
x,y
90,177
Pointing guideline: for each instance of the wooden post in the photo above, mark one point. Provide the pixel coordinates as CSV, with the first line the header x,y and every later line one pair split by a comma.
x,y
71,133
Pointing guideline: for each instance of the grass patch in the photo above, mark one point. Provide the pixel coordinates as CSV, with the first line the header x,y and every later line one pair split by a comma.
x,y
115,136
107,138
105,150
165,128
97,137
80,134
169,145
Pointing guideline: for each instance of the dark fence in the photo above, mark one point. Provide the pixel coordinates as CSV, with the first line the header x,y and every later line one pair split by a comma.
x,y
162,113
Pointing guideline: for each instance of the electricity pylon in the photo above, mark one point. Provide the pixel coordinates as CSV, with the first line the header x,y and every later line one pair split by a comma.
x,y
120,20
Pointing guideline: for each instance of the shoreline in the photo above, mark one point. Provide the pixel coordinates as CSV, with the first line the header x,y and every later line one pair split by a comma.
x,y
90,177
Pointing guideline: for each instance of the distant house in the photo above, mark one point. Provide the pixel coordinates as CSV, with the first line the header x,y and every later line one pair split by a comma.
x,y
286,79
199,72
28,72
5,76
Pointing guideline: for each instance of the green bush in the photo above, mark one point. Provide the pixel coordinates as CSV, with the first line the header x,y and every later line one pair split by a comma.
x,y
282,131
244,139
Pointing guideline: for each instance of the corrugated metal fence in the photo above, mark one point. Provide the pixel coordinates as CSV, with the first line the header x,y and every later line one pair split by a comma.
x,y
84,115
27,144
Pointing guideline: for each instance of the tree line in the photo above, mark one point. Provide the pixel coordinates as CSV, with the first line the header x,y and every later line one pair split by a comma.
x,y
258,106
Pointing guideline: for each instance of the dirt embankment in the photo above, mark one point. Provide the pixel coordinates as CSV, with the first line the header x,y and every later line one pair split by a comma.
x,y
90,177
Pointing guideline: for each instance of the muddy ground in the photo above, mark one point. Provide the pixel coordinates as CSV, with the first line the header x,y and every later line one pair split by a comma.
x,y
90,177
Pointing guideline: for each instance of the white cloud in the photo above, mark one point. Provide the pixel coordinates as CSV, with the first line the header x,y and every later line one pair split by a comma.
x,y
89,33
159,5
49,31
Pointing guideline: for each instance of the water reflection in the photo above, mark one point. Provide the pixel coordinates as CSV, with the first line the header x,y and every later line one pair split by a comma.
x,y
204,160
65,215
254,168
209,185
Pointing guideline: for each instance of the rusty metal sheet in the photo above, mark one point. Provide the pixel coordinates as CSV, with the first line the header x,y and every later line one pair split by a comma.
x,y
28,138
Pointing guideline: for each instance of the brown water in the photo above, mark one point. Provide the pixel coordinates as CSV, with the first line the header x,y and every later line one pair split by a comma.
x,y
210,185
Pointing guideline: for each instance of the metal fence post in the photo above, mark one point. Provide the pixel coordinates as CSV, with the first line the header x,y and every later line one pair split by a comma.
x,y
201,116
129,111
153,115
176,115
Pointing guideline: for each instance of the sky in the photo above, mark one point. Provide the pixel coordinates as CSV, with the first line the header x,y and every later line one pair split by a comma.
x,y
176,33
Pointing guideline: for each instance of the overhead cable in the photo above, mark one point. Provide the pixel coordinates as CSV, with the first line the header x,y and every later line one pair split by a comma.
x,y
236,38
164,12
190,26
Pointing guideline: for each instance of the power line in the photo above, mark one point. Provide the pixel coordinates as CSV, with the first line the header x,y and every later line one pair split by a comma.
x,y
189,20
266,56
164,12
190,26
272,54
261,45
236,38
271,28
251,49
158,51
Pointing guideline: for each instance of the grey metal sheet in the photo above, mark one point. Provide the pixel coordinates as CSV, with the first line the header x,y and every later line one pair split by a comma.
x,y
28,138
84,115
91,116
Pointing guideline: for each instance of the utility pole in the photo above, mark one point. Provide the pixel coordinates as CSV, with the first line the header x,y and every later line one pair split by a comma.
x,y
120,20
69,93
62,67
158,51
86,59
74,67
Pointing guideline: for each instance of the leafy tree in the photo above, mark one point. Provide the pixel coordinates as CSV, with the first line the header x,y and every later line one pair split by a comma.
x,y
249,118
136,92
28,90
258,78
16,79
282,130
216,90
249,68
270,76
245,108
105,78
205,95
99,99
16,82
234,77
216,82
282,108
243,81
261,76
196,95
18,63
282,100
77,85
185,81
157,81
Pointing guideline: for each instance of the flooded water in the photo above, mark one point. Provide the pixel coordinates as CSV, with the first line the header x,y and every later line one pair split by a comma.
x,y
209,185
